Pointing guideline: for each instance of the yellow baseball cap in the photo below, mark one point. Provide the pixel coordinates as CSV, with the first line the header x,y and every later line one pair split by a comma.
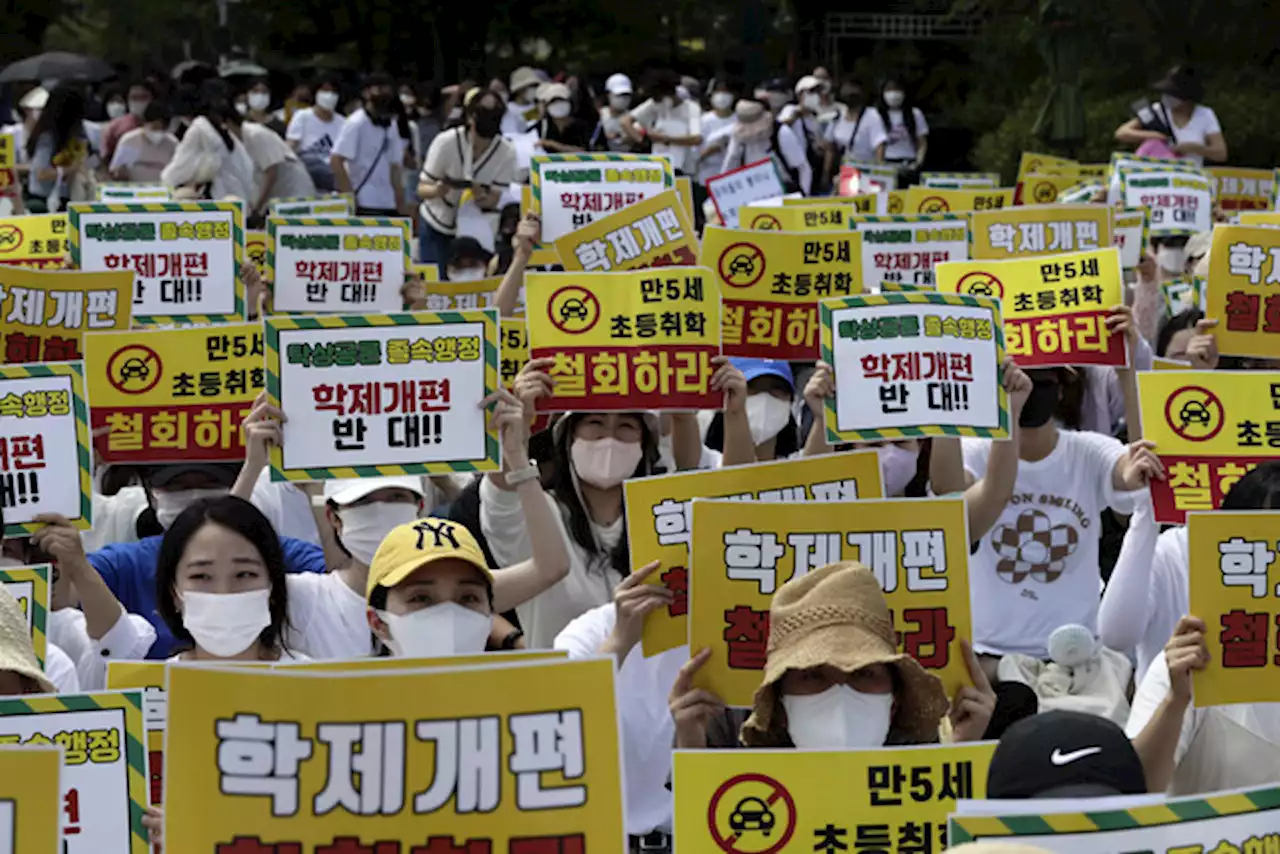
x,y
414,545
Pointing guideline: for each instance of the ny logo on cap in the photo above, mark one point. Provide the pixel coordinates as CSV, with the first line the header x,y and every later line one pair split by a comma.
x,y
440,532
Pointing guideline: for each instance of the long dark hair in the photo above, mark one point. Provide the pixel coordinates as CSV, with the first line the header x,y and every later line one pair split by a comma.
x,y
62,118
562,487
908,109
234,514
1257,490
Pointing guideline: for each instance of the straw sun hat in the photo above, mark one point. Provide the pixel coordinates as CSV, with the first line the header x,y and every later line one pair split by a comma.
x,y
16,652
837,615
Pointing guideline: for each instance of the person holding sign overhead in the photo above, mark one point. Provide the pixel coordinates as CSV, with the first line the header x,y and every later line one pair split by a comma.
x,y
833,678
1185,127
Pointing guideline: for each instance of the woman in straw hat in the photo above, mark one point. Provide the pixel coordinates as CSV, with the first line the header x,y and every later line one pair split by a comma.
x,y
833,678
20,672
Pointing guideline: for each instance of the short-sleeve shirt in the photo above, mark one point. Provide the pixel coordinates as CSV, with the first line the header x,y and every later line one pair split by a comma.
x,y
1202,125
450,157
313,135
900,145
369,148
682,119
870,135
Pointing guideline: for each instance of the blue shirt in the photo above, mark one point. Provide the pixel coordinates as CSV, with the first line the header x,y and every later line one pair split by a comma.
x,y
130,571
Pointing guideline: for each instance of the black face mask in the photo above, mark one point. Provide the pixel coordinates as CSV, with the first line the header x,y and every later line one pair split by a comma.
x,y
384,107
487,123
1041,405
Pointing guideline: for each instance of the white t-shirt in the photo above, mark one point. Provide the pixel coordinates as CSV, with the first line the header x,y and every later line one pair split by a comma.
x,y
715,134
1202,124
368,147
313,134
451,156
1037,569
899,145
327,617
61,670
871,135
142,159
790,150
287,507
682,119
646,728
268,150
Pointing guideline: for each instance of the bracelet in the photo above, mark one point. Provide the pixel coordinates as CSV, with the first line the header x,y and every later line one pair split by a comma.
x,y
509,642
529,472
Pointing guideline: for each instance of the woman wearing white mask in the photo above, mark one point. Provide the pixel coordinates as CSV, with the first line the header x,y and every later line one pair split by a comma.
x,y
833,678
768,409
717,126
1186,128
609,135
313,131
559,130
907,131
670,120
593,453
143,152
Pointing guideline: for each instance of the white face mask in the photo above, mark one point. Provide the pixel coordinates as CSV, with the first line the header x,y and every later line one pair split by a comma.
x,y
467,274
138,107
242,107
169,505
767,415
155,137
408,100
226,624
444,629
259,100
115,109
777,100
811,101
897,468
326,100
839,718
559,109
1170,102
605,463
722,100
1171,258
894,99
365,527
619,103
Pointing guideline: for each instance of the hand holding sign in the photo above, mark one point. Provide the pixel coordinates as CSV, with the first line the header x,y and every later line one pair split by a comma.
x,y
262,431
820,388
730,380
1186,651
973,705
692,708
1016,384
534,382
633,600
512,423
1202,350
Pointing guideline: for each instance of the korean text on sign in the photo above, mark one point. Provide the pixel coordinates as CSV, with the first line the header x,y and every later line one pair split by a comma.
x,y
1055,308
169,395
103,764
1244,289
401,392
659,521
467,296
148,678
655,232
1236,591
1240,189
44,445
897,799
831,216
908,365
517,758
31,800
1210,429
1040,230
515,349
903,250
324,265
771,282
185,256
574,190
335,205
935,200
1180,202
640,340
1129,234
35,240
1242,822
743,551
31,587
46,313
732,191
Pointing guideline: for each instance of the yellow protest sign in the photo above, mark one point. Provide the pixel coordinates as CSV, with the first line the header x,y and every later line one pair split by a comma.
x,y
895,202
659,521
8,158
833,216
1241,189
1039,230
1271,218
1055,308
466,296
103,773
1244,267
1045,164
35,240
771,283
30,586
626,341
1210,429
935,200
48,312
31,800
760,802
859,204
1094,171
571,191
170,395
515,348
651,233
525,751
743,551
255,249
1234,592
1161,364
1129,235
1037,189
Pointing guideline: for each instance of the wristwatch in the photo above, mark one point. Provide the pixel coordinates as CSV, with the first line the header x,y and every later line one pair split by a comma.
x,y
529,472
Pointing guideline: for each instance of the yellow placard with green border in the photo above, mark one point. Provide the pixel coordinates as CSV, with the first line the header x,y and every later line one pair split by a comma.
x,y
898,798
1244,269
45,459
1028,230
1129,227
938,200
186,256
1045,164
1037,189
744,551
132,192
507,782
334,205
383,394
833,216
32,587
659,521
338,264
959,180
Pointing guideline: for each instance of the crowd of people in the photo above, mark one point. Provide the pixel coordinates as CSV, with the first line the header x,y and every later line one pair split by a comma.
x,y
216,562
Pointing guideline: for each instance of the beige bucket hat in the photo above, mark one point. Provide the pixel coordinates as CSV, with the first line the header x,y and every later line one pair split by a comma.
x,y
16,652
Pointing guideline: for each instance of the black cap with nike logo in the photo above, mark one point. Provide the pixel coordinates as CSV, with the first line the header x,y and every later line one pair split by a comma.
x,y
1062,754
